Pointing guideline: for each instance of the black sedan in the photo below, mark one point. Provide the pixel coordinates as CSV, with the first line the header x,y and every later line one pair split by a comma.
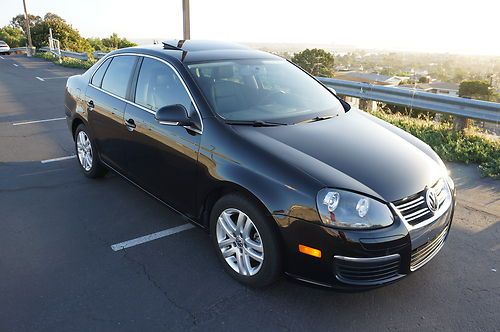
x,y
284,175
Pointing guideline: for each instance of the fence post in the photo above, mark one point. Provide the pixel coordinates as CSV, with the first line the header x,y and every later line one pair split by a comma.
x,y
367,105
351,100
460,123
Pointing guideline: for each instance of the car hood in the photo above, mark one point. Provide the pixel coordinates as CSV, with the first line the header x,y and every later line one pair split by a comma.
x,y
351,151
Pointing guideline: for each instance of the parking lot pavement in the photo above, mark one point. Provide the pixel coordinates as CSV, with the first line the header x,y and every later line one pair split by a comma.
x,y
58,270
23,98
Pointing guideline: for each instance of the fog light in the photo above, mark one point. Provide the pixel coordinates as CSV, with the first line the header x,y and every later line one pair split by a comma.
x,y
310,251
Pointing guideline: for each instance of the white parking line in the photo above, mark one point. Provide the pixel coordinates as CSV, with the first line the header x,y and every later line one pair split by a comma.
x,y
51,78
41,79
57,159
1,57
151,237
15,64
37,121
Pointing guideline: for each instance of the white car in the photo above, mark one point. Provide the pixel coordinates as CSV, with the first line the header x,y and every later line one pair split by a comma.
x,y
4,48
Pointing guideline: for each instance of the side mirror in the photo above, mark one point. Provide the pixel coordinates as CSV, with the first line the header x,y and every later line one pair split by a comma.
x,y
173,115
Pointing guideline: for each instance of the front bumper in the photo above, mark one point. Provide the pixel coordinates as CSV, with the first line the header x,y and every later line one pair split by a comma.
x,y
361,259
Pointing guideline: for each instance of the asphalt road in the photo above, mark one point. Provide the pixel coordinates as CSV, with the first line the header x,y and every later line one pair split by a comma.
x,y
58,271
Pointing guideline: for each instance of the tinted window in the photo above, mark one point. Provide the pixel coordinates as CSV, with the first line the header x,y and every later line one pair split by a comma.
x,y
99,74
258,89
118,75
158,85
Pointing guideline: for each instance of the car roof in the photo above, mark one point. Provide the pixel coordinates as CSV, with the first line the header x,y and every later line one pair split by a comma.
x,y
192,51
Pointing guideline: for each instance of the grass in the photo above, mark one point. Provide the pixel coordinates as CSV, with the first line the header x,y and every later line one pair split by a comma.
x,y
471,146
66,62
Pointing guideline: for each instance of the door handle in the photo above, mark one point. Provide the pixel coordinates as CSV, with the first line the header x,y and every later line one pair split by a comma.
x,y
90,105
130,123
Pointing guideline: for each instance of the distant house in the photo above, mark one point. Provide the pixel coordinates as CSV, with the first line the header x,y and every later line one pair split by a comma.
x,y
442,88
403,79
415,76
370,78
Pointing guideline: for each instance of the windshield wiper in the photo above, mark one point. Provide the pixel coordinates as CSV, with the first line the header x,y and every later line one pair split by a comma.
x,y
317,118
255,123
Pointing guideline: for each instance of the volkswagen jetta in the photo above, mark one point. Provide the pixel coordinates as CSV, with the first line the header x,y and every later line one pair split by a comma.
x,y
284,175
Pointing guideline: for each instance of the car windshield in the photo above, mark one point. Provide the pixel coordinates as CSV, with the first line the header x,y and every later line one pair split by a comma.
x,y
2,43
263,90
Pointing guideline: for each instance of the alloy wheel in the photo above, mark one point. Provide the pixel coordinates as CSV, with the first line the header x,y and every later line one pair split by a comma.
x,y
240,242
84,149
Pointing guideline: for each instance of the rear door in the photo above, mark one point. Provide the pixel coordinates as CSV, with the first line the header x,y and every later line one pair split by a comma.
x,y
106,97
162,158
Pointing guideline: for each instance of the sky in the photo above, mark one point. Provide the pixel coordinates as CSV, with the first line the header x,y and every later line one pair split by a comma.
x,y
451,26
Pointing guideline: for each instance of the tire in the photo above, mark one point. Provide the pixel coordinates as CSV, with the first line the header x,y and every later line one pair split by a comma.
x,y
86,154
237,244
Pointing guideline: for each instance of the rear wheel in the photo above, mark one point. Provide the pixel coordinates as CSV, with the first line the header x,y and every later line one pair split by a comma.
x,y
245,241
87,154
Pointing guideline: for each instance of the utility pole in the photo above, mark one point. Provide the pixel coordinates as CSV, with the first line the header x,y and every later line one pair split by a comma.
x,y
28,31
186,20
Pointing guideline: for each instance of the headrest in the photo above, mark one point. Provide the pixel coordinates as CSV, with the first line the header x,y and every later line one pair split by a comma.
x,y
225,71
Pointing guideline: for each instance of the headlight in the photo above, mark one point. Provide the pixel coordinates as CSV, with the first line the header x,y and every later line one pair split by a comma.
x,y
446,172
344,209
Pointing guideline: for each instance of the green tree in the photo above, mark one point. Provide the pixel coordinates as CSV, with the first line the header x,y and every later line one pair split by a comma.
x,y
114,42
97,44
316,61
19,21
126,43
476,90
13,36
68,36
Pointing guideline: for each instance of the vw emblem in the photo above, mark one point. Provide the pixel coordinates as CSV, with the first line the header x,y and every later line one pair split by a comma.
x,y
239,241
432,200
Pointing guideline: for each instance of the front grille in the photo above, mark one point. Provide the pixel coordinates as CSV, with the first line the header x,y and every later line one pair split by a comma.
x,y
415,208
367,271
424,253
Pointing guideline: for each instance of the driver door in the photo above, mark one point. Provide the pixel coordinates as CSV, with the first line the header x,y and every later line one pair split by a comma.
x,y
162,158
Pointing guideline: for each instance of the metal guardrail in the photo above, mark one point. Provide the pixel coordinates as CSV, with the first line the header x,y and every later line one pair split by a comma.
x,y
467,108
19,49
74,55
98,54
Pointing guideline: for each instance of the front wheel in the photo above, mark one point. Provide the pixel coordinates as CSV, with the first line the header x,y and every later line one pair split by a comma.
x,y
246,241
87,154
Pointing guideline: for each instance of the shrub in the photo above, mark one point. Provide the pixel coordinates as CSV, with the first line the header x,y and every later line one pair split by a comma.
x,y
66,62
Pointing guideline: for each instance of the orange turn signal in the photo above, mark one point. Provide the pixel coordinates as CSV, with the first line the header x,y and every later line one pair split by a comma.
x,y
310,251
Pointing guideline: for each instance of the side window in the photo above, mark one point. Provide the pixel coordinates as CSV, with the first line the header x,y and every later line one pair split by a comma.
x,y
158,85
99,74
118,75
